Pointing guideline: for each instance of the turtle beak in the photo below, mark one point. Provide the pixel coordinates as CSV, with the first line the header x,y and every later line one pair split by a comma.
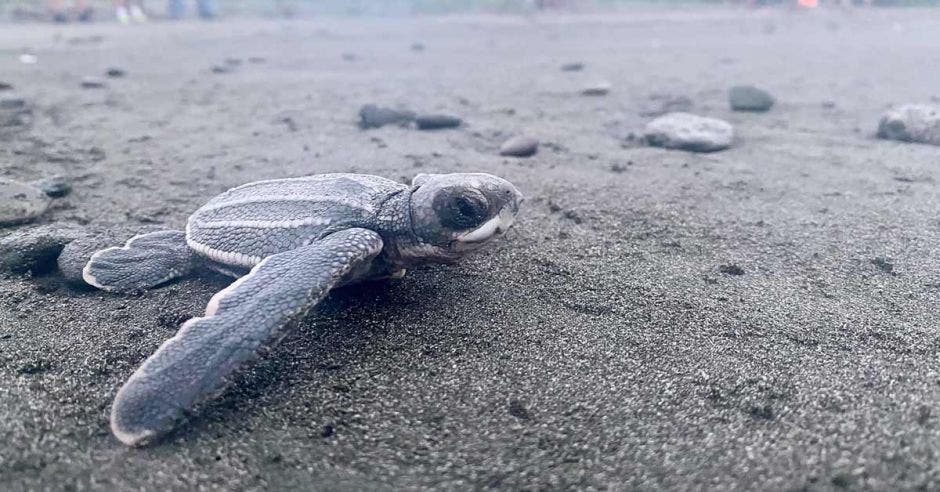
x,y
499,223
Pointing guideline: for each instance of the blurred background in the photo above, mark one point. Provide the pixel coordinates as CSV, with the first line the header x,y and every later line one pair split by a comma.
x,y
34,10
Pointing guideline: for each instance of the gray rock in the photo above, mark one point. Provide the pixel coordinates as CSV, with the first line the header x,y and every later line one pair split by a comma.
x,y
93,83
54,187
660,104
596,89
437,121
20,202
519,146
919,123
686,131
418,46
115,72
572,67
12,101
749,98
35,249
6,86
220,69
372,116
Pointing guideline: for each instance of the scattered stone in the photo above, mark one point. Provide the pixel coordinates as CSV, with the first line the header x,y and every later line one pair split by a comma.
x,y
686,131
572,67
828,104
6,86
418,46
35,249
220,69
350,57
597,89
518,410
661,104
918,123
54,187
731,269
233,62
372,116
20,202
93,83
883,264
257,59
749,98
519,146
12,102
437,121
115,72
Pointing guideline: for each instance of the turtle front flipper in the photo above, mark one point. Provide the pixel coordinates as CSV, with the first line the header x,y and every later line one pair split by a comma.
x,y
146,261
240,320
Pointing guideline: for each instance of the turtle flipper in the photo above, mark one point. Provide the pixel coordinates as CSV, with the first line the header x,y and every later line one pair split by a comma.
x,y
145,261
248,315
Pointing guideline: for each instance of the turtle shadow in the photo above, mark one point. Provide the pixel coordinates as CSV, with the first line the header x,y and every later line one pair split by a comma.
x,y
319,347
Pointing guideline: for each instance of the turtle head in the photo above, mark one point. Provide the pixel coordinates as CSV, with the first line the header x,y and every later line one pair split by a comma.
x,y
456,214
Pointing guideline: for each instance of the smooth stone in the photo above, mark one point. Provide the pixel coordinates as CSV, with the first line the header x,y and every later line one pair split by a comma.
x,y
572,67
92,83
661,104
12,102
20,202
519,146
115,72
918,123
372,116
686,131
749,98
598,89
54,187
437,121
36,249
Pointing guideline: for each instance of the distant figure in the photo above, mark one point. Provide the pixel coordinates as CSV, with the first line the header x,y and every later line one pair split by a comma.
x,y
60,11
177,8
127,10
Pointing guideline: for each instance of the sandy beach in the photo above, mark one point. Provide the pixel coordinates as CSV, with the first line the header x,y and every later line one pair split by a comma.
x,y
759,318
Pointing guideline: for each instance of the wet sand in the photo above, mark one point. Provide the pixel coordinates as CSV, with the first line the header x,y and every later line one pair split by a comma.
x,y
604,343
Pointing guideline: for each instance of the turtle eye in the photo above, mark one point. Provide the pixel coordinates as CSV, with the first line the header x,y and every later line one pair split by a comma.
x,y
460,211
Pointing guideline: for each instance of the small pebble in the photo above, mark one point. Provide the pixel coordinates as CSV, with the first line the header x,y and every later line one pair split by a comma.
x,y
520,146
6,86
115,72
233,62
256,59
20,202
93,83
660,104
572,67
54,187
918,123
220,69
350,57
12,102
686,131
28,59
597,89
35,249
437,121
372,116
749,98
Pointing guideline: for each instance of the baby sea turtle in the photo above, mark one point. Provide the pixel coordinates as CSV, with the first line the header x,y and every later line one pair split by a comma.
x,y
288,241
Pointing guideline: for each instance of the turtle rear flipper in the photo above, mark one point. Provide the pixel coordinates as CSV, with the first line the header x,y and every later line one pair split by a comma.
x,y
240,320
146,261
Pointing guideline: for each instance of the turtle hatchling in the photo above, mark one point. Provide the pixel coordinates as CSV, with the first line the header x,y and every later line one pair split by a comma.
x,y
288,242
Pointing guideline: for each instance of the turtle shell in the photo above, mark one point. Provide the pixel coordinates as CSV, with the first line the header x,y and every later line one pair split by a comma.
x,y
242,226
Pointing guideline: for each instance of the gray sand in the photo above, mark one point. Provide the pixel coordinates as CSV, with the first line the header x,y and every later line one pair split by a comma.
x,y
605,343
